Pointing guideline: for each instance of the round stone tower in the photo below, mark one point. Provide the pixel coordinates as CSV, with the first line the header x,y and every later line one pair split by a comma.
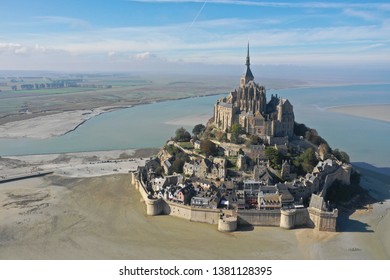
x,y
287,218
227,224
153,207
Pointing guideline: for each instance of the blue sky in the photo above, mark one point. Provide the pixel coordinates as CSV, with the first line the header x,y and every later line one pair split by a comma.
x,y
120,35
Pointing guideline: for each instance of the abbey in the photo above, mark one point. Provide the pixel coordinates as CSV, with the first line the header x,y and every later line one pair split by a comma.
x,y
280,181
248,107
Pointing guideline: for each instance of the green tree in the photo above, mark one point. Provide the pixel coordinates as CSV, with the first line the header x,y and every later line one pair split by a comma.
x,y
177,165
306,161
198,129
312,136
208,148
172,150
182,135
236,130
300,129
274,157
159,171
341,155
253,140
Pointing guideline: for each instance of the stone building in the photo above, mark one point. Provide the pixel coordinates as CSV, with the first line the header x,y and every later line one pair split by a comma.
x,y
248,107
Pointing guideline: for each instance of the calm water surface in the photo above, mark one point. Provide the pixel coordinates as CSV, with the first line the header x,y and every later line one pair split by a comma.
x,y
147,125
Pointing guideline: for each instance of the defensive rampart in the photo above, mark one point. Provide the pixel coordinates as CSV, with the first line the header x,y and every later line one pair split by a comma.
x,y
229,220
259,217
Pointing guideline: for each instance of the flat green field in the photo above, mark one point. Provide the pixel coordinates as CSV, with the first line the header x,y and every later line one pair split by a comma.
x,y
100,90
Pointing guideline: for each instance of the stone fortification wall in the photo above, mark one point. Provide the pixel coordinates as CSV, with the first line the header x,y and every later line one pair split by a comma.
x,y
302,218
153,206
311,217
227,224
258,218
323,221
293,218
343,174
210,216
180,211
162,207
202,215
287,218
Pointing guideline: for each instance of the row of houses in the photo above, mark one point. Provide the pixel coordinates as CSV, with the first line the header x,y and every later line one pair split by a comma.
x,y
257,195
263,192
196,193
205,168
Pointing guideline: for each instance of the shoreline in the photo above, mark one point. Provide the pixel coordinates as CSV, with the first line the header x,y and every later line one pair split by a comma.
x,y
14,128
36,127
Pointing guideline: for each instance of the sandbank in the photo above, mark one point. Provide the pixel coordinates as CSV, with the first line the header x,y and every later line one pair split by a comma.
x,y
43,127
376,112
190,120
83,164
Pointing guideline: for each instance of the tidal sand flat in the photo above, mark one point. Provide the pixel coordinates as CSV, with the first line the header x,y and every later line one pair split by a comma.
x,y
58,217
103,218
83,164
376,112
43,127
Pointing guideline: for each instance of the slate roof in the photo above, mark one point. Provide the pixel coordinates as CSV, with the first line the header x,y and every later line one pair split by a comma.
x,y
317,202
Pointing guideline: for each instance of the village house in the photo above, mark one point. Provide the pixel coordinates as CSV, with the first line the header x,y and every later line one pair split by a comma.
x,y
197,145
167,165
285,173
161,182
286,197
268,201
206,200
203,183
185,194
262,174
283,149
188,169
205,168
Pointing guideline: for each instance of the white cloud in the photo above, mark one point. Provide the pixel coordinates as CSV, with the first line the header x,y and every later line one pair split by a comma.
x,y
360,14
216,41
39,48
14,48
142,56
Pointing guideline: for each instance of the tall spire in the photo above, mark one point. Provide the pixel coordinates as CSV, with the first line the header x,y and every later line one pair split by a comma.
x,y
248,58
248,74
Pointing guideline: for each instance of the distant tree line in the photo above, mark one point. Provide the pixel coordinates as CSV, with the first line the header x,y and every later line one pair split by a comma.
x,y
58,84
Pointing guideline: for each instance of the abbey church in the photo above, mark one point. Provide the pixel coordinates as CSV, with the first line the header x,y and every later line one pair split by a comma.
x,y
248,106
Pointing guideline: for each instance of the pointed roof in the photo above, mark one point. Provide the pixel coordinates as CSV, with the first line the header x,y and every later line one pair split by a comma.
x,y
248,74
